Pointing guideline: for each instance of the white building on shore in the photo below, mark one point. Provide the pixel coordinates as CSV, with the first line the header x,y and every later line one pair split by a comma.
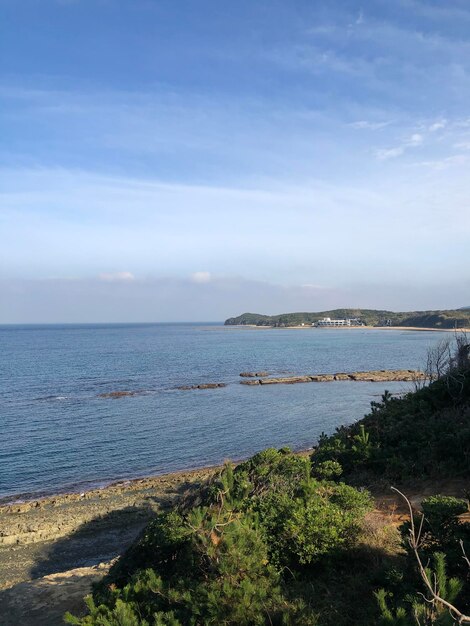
x,y
327,321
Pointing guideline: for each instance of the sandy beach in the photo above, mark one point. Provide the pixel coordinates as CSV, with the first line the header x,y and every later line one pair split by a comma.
x,y
307,327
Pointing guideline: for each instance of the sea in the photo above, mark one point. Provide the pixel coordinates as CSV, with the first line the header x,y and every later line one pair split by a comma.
x,y
58,434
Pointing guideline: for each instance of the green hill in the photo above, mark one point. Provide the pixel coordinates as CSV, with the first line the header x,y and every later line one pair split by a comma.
x,y
370,317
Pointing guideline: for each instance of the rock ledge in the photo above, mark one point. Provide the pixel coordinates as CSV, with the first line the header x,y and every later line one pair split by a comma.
x,y
373,376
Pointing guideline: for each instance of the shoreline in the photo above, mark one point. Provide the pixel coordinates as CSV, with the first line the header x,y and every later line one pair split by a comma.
x,y
57,533
62,532
84,491
307,327
81,493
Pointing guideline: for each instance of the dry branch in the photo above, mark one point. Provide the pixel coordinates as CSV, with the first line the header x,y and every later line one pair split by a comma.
x,y
414,540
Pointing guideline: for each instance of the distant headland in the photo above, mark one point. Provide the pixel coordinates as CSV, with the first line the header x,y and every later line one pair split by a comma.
x,y
439,320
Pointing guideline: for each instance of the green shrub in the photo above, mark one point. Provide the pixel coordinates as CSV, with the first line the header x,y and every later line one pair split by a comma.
x,y
442,530
441,513
327,470
232,555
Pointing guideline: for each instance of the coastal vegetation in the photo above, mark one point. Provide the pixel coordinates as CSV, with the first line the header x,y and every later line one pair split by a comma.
x,y
370,317
423,434
286,539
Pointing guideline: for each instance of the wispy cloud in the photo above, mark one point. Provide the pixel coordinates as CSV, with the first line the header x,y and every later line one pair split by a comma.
x,y
369,125
437,12
455,160
360,18
117,276
285,230
383,154
439,125
201,277
318,60
392,57
425,132
415,140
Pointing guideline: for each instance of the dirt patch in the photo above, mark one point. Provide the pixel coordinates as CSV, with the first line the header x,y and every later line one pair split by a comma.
x,y
390,506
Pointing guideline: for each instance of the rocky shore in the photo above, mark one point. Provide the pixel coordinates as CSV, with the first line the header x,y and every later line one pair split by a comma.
x,y
52,549
373,376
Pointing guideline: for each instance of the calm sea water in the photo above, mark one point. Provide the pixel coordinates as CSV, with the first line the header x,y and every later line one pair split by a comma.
x,y
57,434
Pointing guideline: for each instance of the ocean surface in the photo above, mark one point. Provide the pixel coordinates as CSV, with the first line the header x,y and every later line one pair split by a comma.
x,y
57,434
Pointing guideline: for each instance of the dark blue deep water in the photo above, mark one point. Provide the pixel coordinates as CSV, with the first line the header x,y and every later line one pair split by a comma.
x,y
57,434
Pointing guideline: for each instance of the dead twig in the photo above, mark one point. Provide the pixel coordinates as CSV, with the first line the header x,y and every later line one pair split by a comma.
x,y
413,540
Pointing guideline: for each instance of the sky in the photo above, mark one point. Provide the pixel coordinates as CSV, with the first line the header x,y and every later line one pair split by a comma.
x,y
192,160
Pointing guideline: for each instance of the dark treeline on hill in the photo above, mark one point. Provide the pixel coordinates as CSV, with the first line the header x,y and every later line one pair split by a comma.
x,y
290,540
370,317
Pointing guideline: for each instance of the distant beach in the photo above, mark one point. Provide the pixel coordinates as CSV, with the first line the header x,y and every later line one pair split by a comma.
x,y
309,327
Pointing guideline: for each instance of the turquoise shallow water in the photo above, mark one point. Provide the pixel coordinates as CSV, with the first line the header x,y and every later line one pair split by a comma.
x,y
57,434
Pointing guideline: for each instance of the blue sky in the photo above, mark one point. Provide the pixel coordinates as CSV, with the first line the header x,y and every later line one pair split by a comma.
x,y
192,160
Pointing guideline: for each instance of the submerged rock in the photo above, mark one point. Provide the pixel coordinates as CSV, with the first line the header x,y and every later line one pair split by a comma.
x,y
117,394
202,386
